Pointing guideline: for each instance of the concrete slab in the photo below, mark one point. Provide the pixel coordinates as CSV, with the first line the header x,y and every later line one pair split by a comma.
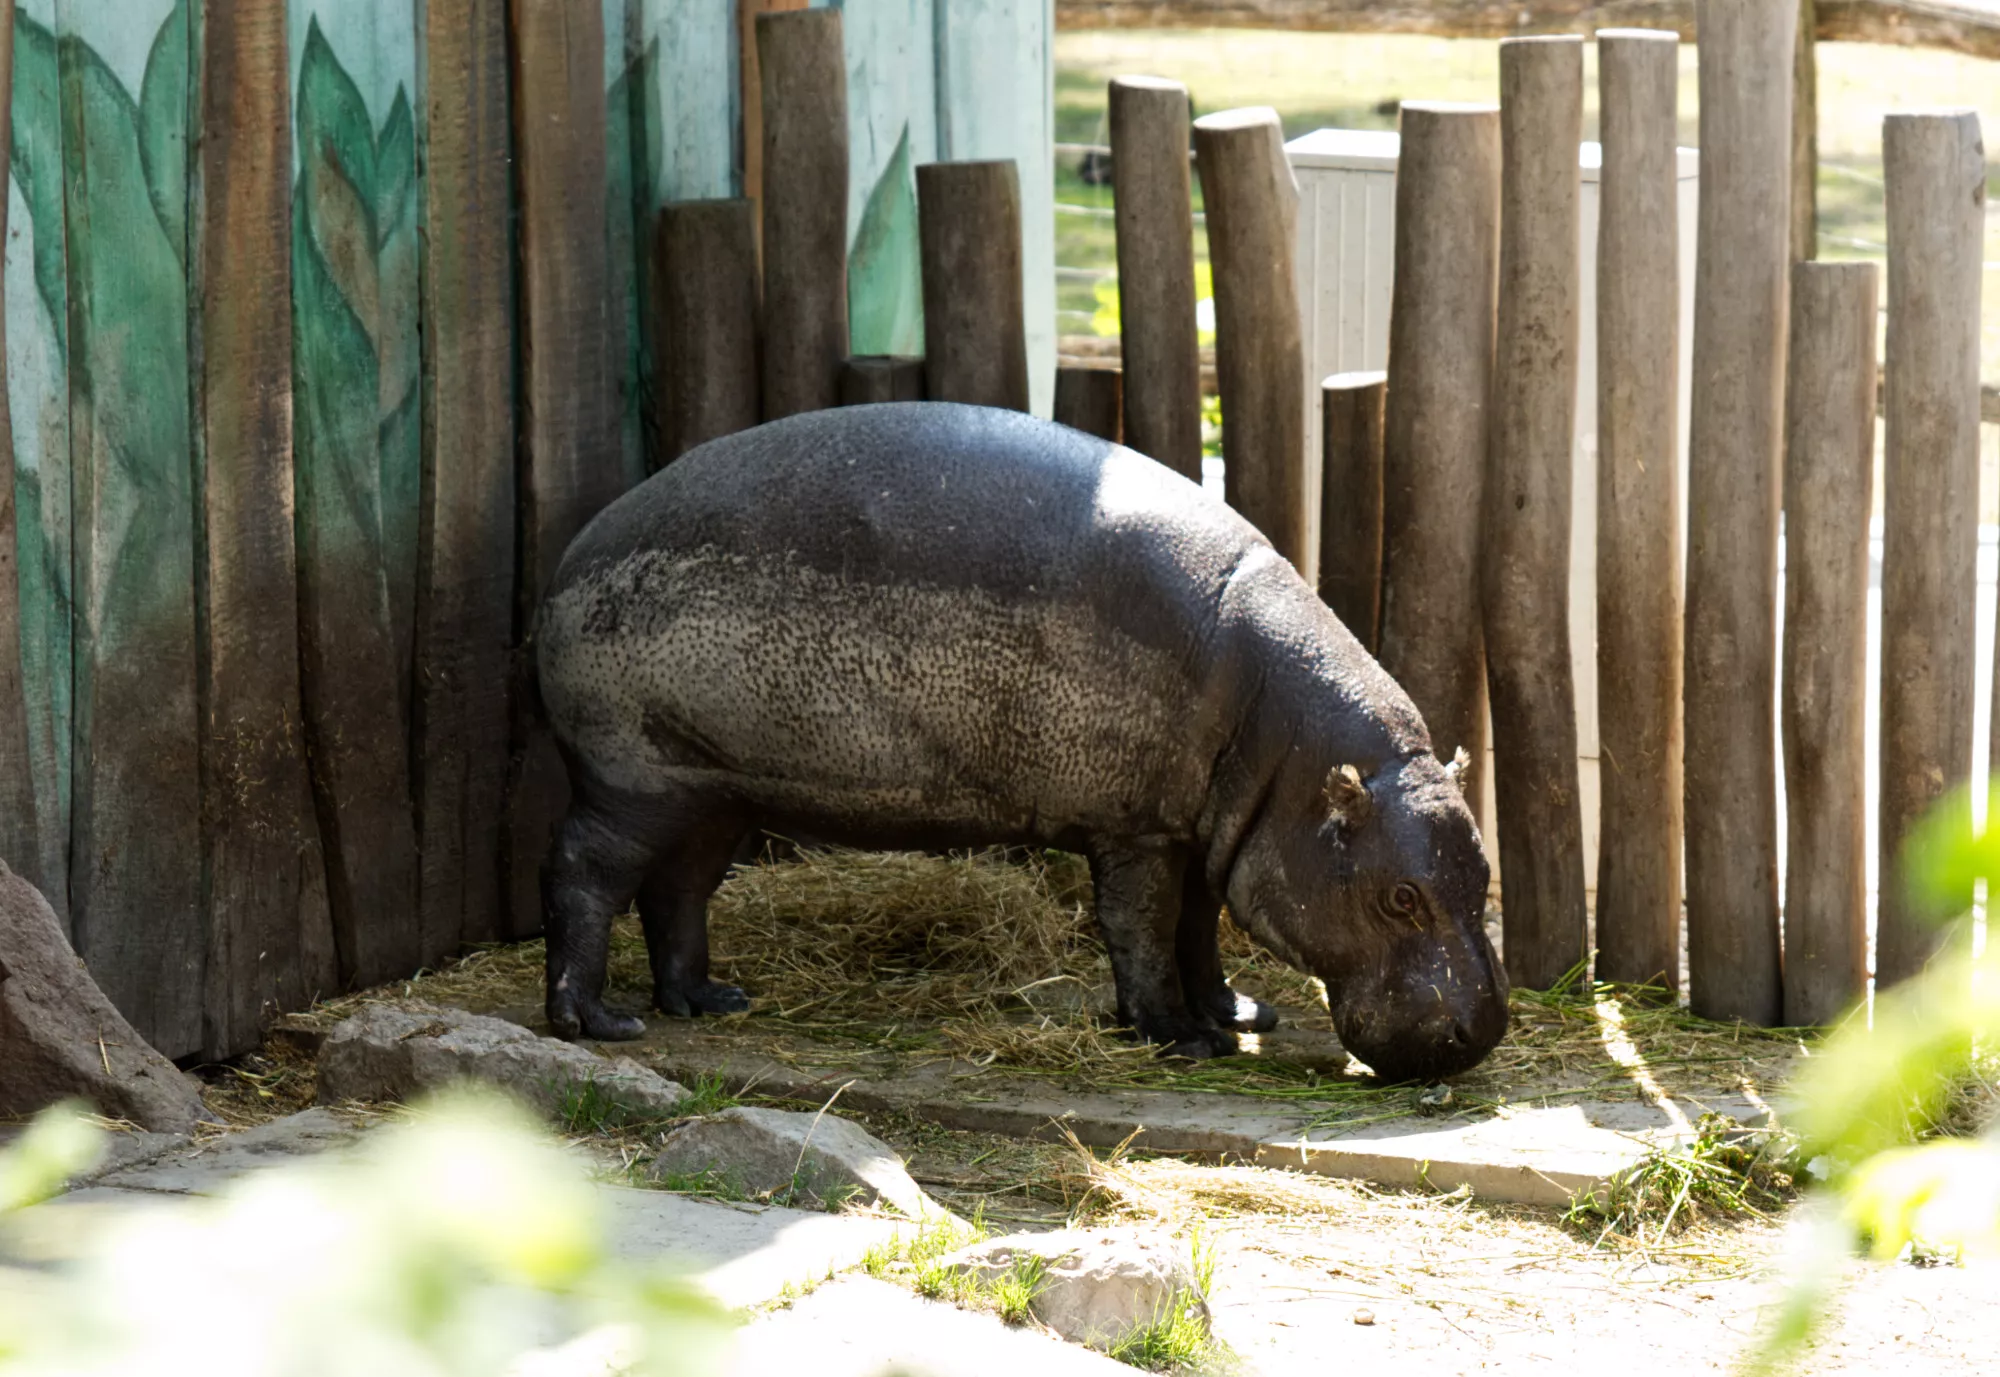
x,y
203,1169
743,1255
859,1327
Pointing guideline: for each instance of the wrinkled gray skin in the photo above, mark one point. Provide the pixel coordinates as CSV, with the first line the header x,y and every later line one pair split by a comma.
x,y
929,625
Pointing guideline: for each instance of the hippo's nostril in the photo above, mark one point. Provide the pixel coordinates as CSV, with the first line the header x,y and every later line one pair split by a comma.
x,y
1460,1034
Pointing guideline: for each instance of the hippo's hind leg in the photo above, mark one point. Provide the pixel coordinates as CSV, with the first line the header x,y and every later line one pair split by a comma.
x,y
590,876
1138,911
1197,947
673,906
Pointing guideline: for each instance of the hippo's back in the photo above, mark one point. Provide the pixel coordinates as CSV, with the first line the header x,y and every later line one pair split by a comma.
x,y
914,617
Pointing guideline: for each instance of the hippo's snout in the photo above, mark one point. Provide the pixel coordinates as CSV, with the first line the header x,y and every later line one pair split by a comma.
x,y
1418,1028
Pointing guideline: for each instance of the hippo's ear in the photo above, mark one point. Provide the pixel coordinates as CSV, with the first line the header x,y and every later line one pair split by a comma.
x,y
1348,802
1455,772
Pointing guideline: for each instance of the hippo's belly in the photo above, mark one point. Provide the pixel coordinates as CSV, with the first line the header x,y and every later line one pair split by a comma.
x,y
867,706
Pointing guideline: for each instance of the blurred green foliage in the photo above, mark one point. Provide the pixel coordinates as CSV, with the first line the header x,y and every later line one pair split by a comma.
x,y
462,1241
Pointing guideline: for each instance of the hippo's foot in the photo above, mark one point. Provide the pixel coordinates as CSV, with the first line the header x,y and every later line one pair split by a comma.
x,y
571,1018
1239,1011
1183,1035
709,997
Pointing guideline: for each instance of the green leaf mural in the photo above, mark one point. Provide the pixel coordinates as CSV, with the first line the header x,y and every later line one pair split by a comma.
x,y
163,127
885,292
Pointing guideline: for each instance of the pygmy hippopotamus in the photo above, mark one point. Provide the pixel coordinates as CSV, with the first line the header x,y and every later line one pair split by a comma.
x,y
927,625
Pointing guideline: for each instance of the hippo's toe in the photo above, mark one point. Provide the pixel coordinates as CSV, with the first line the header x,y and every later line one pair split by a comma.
x,y
709,997
1240,1012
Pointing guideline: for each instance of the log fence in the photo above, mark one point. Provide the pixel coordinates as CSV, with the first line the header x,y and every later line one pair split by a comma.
x,y
313,385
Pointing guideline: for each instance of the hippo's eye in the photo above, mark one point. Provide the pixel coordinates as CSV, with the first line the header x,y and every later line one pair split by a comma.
x,y
1403,901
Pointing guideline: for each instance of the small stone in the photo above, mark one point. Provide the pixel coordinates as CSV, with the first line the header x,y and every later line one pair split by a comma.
x,y
1097,1287
60,1038
396,1052
1364,1316
801,1159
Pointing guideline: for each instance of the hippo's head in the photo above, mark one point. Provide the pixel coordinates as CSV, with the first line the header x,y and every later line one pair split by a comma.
x,y
1375,883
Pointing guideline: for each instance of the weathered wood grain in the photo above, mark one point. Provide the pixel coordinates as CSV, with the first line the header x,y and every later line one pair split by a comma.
x,y
1639,631
135,882
1350,501
37,326
1091,400
1253,215
569,459
976,348
1935,177
705,286
465,573
1964,26
20,823
881,378
1161,342
270,935
1829,491
1524,540
1434,433
1743,268
354,696
750,103
804,210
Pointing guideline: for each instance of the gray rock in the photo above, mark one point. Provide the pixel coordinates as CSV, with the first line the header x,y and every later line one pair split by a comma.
x,y
396,1052
800,1158
1098,1286
60,1038
207,1167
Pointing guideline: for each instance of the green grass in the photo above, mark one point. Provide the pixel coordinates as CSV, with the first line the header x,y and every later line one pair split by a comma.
x,y
1725,1171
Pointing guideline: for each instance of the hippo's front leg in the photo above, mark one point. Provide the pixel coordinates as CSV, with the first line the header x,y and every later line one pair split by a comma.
x,y
590,876
1197,948
1138,911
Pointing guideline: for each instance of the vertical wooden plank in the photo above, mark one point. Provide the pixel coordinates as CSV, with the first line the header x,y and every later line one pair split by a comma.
x,y
1525,530
691,104
995,93
1741,273
135,884
465,571
892,126
569,457
37,330
750,101
270,933
976,350
1091,400
629,228
1934,173
1350,495
1805,137
1434,432
20,824
1639,292
1159,337
349,635
1252,202
705,280
804,215
881,378
1829,491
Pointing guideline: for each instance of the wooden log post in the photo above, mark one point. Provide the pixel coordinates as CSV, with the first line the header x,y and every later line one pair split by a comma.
x,y
881,378
1253,211
1091,400
1744,260
1434,428
975,336
750,88
135,881
1805,137
804,84
1638,512
570,462
705,282
1936,183
352,661
1158,336
20,822
1829,493
465,595
1350,505
271,942
1525,535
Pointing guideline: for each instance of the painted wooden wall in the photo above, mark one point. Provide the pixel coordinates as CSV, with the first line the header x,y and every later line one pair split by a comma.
x,y
284,408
